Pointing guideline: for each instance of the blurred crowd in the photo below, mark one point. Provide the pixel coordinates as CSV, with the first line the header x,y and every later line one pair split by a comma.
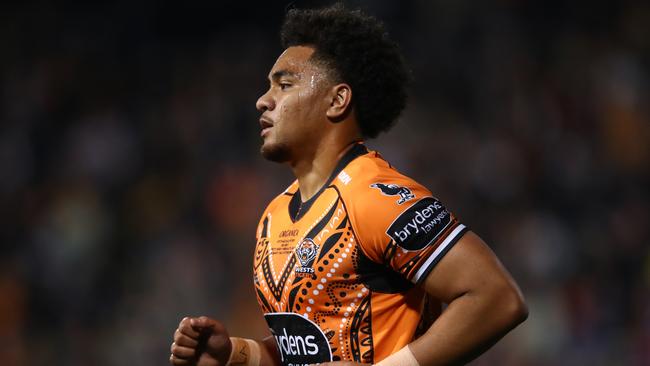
x,y
131,182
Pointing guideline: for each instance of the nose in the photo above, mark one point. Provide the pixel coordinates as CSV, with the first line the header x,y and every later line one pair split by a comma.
x,y
265,102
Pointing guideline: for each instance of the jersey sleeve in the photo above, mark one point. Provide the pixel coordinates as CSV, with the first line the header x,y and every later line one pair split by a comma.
x,y
401,225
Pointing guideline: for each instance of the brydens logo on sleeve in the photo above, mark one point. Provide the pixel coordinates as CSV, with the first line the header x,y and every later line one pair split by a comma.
x,y
420,224
299,340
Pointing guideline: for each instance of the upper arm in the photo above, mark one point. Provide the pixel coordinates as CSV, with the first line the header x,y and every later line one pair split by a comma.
x,y
470,266
400,225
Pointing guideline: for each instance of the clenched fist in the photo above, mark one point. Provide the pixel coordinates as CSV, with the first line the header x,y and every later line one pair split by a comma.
x,y
200,341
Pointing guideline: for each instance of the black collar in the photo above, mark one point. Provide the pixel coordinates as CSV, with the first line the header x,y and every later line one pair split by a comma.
x,y
297,208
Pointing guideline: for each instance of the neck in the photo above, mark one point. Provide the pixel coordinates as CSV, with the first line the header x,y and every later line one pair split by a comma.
x,y
313,171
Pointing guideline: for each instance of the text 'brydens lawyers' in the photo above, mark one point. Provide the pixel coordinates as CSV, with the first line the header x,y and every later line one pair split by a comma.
x,y
419,224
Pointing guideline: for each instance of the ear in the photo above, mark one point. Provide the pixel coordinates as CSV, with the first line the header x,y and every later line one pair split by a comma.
x,y
340,102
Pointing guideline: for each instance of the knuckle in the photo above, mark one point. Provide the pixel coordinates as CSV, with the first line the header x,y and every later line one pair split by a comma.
x,y
184,327
185,321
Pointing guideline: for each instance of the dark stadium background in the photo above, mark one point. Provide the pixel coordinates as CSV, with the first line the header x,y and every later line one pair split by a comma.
x,y
131,183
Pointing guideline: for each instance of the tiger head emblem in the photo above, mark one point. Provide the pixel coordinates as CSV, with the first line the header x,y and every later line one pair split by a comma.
x,y
306,251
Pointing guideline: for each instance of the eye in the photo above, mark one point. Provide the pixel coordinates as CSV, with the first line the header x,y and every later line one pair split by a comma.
x,y
284,86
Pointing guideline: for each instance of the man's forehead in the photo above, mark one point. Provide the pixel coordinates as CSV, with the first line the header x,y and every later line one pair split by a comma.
x,y
292,61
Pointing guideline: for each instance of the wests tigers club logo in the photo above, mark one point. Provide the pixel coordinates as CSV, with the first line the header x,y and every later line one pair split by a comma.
x,y
306,252
394,190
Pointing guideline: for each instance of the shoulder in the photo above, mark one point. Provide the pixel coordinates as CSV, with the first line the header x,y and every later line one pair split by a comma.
x,y
376,196
371,181
397,221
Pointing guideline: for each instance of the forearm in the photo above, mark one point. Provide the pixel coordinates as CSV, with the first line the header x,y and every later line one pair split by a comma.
x,y
470,325
270,354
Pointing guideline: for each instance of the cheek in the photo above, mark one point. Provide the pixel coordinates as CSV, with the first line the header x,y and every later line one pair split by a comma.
x,y
288,105
301,106
286,113
309,104
301,98
292,108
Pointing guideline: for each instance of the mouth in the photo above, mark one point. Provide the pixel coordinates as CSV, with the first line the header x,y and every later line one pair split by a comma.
x,y
266,125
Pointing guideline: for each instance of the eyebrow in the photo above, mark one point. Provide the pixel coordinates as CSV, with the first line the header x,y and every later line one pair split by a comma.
x,y
282,73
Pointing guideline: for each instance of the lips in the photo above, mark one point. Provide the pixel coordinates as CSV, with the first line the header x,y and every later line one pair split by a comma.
x,y
265,124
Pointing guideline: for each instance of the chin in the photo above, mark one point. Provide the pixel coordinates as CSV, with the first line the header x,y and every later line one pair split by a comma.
x,y
278,153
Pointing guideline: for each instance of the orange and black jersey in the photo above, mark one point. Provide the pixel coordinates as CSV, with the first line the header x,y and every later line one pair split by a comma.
x,y
335,276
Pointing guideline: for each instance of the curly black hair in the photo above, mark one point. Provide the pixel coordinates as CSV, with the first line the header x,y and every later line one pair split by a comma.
x,y
355,49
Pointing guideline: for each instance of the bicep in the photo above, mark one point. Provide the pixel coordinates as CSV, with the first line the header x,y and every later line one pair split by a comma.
x,y
468,267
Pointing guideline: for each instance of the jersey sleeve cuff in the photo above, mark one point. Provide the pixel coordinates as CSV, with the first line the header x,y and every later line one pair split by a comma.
x,y
440,252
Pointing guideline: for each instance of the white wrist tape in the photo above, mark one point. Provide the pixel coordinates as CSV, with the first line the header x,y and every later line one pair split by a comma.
x,y
245,352
403,357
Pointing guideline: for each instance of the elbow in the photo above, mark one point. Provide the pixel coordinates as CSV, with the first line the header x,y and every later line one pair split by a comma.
x,y
515,308
512,308
520,311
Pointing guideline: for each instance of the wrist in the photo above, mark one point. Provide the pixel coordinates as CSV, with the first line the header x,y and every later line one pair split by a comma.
x,y
244,352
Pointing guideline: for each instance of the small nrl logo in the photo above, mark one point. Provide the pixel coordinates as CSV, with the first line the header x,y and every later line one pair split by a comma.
x,y
404,193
